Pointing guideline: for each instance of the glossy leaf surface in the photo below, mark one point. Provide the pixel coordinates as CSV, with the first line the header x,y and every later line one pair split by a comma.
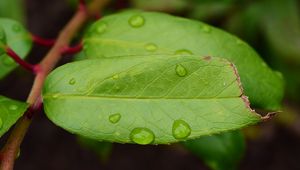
x,y
154,99
144,33
219,152
10,112
18,39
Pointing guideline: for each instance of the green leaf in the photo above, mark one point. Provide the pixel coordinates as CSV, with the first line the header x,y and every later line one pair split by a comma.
x,y
154,99
2,41
13,9
18,39
144,33
10,112
102,149
219,152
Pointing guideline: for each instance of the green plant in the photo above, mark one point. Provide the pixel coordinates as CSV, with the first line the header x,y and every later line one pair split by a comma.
x,y
143,78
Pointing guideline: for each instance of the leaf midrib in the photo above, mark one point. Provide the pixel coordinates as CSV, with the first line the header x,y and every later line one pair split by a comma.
x,y
80,96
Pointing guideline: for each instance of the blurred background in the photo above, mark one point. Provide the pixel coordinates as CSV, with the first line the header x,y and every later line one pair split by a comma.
x,y
272,27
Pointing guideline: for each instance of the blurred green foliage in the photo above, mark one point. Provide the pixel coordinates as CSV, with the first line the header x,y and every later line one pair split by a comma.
x,y
13,9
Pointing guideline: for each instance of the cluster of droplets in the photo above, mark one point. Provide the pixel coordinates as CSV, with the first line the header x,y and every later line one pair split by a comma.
x,y
143,136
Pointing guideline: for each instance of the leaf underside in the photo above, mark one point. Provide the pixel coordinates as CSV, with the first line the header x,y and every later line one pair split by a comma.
x,y
147,33
155,99
10,112
18,39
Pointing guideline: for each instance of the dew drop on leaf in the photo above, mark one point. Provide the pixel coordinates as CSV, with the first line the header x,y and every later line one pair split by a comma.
x,y
206,29
151,47
115,118
181,129
13,107
116,76
101,28
55,96
180,70
72,81
136,21
142,136
184,52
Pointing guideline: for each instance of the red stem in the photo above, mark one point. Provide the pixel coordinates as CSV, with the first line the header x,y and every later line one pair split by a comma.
x,y
20,61
72,50
42,41
82,5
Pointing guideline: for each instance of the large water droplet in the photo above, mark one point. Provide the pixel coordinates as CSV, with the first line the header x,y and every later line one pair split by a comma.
x,y
142,136
72,81
151,47
181,129
115,118
206,29
136,21
16,28
180,70
101,28
13,107
183,52
8,61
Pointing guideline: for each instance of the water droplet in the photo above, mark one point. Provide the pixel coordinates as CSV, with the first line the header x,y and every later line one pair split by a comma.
x,y
206,29
224,83
72,81
142,136
116,76
136,21
13,107
115,118
55,96
1,123
101,28
16,28
8,61
181,129
151,47
180,70
184,52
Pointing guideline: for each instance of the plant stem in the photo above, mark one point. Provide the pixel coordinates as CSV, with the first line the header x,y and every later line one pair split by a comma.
x,y
73,50
9,151
42,41
10,52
